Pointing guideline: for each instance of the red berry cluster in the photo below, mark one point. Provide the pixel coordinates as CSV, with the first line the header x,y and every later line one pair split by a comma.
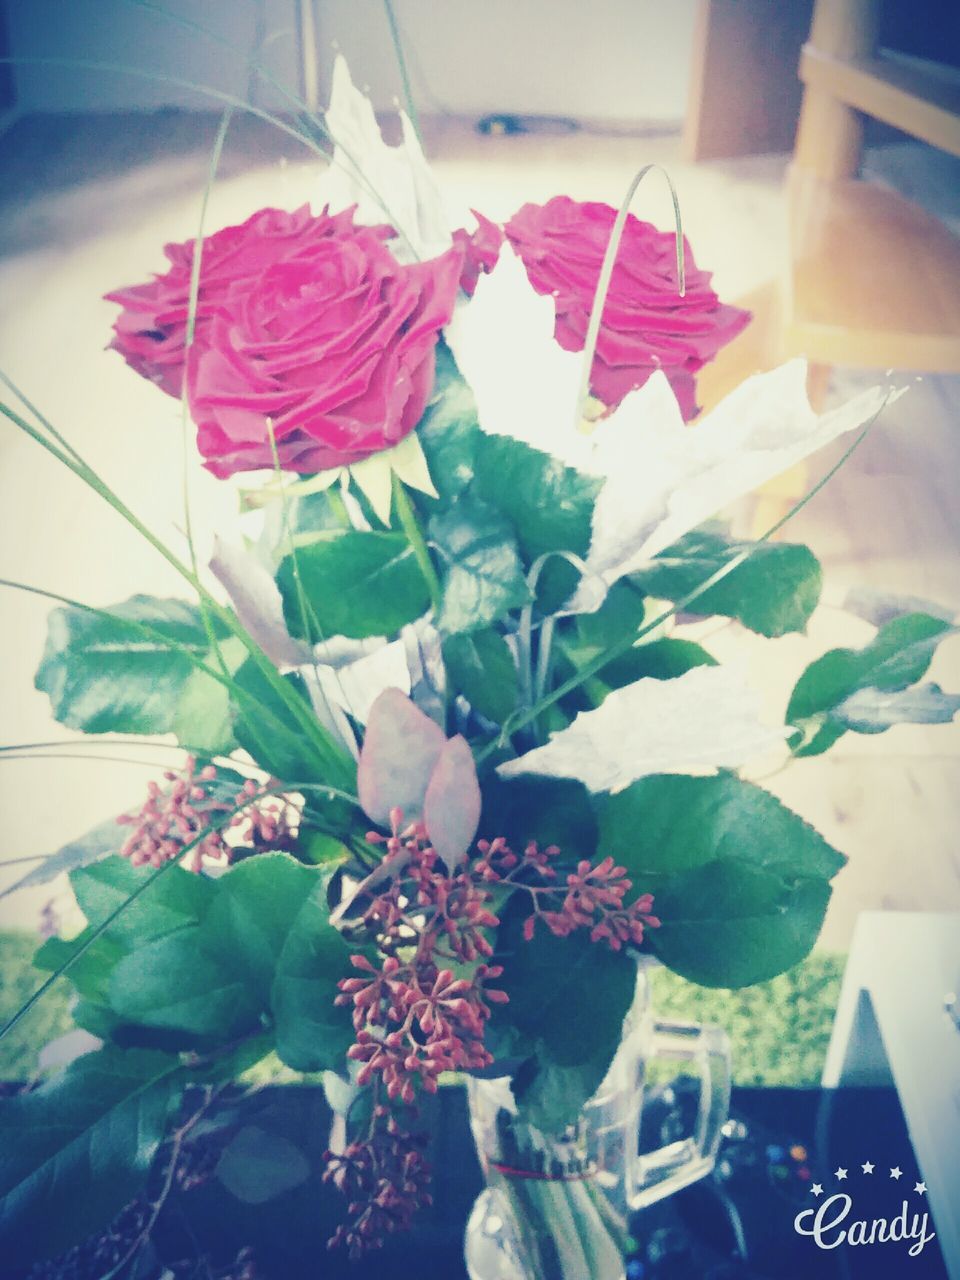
x,y
421,1006
173,816
385,1179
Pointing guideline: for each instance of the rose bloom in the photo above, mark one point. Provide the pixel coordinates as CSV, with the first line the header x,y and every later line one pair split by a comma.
x,y
307,326
646,324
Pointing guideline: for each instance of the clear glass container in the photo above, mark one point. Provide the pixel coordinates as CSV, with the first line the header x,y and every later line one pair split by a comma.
x,y
557,1205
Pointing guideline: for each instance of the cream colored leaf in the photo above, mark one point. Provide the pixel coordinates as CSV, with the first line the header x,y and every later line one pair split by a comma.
x,y
706,719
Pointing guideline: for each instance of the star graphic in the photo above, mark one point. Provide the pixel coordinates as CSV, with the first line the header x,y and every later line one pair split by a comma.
x,y
867,1167
840,1174
896,1173
921,1187
816,1189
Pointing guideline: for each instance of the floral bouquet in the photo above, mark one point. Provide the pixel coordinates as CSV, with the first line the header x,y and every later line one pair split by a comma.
x,y
447,770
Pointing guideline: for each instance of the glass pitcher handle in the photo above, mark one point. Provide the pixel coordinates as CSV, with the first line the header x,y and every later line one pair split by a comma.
x,y
659,1173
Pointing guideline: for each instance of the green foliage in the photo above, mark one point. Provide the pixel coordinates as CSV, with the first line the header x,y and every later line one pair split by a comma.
x,y
548,504
124,672
448,430
549,810
482,572
897,656
204,715
588,635
105,838
659,660
77,1149
355,584
568,1000
740,882
773,592
265,726
481,667
311,1033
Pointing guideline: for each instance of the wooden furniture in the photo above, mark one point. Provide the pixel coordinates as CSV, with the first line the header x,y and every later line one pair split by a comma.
x,y
899,1018
873,280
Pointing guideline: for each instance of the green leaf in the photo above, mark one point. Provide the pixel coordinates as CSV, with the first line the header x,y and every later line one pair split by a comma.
x,y
660,660
669,823
203,721
213,981
448,430
90,973
549,810
103,675
898,655
732,923
773,592
548,504
177,899
740,883
483,577
258,1165
590,634
256,904
481,667
568,1000
174,984
312,1033
77,1149
284,754
356,584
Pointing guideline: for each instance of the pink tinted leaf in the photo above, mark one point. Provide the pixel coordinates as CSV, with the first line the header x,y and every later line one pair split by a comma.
x,y
451,808
400,751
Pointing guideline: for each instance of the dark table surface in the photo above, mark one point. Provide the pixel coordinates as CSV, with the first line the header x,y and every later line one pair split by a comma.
x,y
783,1141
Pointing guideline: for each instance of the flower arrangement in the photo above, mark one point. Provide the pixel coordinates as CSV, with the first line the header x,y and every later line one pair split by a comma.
x,y
446,764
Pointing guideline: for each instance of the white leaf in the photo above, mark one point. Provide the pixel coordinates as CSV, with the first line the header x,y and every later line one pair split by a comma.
x,y
662,477
256,598
387,184
873,710
706,719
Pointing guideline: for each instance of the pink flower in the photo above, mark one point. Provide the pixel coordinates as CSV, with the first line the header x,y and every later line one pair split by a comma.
x,y
305,324
646,325
481,251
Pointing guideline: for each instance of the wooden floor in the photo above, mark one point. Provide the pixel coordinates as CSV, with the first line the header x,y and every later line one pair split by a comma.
x,y
85,205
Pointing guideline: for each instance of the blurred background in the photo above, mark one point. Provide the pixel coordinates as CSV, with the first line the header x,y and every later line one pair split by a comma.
x,y
819,179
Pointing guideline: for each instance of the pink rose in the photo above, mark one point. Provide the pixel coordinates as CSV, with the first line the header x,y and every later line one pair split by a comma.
x,y
481,251
307,322
646,325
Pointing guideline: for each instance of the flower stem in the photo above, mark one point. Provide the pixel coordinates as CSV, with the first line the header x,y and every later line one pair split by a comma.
x,y
411,527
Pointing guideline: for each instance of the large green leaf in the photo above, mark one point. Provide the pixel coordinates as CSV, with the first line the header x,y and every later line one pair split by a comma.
x,y
549,505
588,635
483,575
77,1149
213,981
740,882
898,655
482,668
355,584
312,1034
448,430
176,900
265,726
549,810
670,823
568,1000
773,592
204,715
174,984
730,923
104,675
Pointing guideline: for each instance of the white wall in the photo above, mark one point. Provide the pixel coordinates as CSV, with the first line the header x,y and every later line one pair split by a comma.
x,y
606,59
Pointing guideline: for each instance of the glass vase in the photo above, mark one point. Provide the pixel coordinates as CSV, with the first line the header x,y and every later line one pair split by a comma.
x,y
557,1204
